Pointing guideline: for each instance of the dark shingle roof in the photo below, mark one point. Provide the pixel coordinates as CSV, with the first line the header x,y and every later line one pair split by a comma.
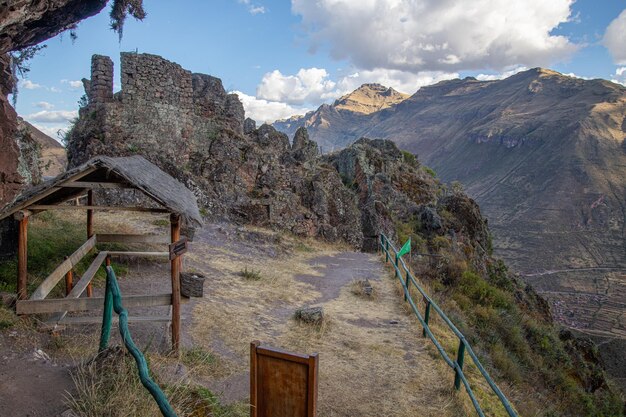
x,y
133,170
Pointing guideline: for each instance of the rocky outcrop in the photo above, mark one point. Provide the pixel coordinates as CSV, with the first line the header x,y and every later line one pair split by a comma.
x,y
10,179
24,24
27,23
189,126
303,148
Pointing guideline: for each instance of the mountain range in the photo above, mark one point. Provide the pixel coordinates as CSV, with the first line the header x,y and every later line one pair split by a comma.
x,y
544,155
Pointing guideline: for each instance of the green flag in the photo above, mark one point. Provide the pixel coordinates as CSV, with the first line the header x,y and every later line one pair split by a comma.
x,y
406,248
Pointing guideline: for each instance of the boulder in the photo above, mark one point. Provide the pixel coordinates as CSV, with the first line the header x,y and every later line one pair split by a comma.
x,y
310,315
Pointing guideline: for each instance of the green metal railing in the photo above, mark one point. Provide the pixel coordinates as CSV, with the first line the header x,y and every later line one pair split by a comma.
x,y
113,301
464,346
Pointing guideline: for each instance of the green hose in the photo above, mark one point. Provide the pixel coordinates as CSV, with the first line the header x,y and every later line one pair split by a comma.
x,y
113,301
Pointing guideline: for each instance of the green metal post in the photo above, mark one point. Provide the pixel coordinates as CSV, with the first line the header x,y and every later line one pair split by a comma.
x,y
406,284
107,315
386,250
397,273
426,317
459,361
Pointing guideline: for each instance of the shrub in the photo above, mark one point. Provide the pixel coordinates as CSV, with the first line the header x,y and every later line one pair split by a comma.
x,y
250,274
409,158
429,171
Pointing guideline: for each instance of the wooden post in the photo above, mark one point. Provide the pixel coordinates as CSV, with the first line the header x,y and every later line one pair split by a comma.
x,y
69,281
175,269
22,254
89,231
89,214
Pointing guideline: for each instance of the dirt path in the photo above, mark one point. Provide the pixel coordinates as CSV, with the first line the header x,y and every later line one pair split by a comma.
x,y
373,360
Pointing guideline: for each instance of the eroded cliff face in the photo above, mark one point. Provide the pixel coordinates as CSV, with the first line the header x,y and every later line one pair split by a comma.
x,y
23,24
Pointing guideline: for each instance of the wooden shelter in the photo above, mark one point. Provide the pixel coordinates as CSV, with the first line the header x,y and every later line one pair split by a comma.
x,y
134,172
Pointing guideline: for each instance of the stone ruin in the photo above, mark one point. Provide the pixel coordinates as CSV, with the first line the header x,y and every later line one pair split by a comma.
x,y
190,127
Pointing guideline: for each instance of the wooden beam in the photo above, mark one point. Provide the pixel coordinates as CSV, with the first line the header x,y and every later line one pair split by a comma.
x,y
95,185
46,193
140,254
69,281
90,232
175,272
22,259
84,281
22,214
88,304
115,319
126,238
51,281
89,214
113,208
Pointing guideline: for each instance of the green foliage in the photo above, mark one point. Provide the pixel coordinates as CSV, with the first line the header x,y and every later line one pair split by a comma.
x,y
122,8
198,357
409,158
50,239
7,318
498,274
20,65
481,292
429,171
440,242
250,274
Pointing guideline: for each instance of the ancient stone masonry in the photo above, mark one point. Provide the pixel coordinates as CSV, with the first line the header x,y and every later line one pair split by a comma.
x,y
192,128
100,88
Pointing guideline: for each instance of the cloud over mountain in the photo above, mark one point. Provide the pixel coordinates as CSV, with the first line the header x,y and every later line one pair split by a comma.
x,y
615,37
434,35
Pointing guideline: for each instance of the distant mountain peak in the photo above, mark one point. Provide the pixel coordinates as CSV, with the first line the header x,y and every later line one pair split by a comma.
x,y
369,98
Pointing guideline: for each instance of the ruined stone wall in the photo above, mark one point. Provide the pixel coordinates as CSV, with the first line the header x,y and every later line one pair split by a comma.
x,y
162,110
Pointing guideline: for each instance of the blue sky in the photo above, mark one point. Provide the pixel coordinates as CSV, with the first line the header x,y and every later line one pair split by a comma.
x,y
285,58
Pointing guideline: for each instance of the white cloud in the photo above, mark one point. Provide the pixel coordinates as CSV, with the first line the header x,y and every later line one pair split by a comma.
x,y
403,81
267,111
309,85
29,85
582,77
253,8
74,84
52,116
615,38
280,96
55,90
501,75
313,86
620,76
256,10
435,35
44,105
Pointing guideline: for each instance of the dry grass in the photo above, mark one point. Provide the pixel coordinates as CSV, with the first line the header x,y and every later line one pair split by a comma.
x,y
108,385
368,367
487,399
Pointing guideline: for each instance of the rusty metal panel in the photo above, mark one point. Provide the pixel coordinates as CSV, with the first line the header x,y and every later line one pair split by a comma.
x,y
282,384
